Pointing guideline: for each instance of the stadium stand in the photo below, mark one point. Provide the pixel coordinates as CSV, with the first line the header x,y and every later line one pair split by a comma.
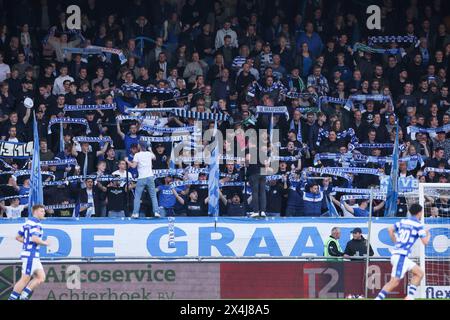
x,y
326,92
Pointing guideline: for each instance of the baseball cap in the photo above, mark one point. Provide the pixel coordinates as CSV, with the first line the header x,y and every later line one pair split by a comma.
x,y
357,230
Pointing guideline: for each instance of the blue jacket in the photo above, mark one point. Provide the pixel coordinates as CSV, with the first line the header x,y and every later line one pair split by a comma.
x,y
313,203
315,43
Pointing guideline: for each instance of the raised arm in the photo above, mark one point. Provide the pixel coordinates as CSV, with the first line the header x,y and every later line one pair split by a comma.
x,y
131,164
177,196
223,198
119,131
379,206
26,118
348,208
103,150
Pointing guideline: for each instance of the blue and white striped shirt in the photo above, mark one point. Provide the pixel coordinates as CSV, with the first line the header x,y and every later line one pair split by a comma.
x,y
238,62
31,227
407,231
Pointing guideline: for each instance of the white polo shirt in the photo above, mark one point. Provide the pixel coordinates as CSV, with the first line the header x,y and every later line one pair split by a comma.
x,y
144,163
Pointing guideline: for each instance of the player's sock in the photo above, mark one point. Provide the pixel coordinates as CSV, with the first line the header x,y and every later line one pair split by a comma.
x,y
382,295
26,293
412,291
14,296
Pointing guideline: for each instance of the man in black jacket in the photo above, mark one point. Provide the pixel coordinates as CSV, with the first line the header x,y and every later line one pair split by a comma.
x,y
358,245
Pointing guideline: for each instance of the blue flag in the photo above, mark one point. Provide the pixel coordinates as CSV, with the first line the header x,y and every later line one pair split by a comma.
x,y
76,209
390,209
332,211
36,192
122,104
172,158
213,182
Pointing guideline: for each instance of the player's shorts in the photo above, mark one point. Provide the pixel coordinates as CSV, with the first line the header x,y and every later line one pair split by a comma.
x,y
400,265
30,265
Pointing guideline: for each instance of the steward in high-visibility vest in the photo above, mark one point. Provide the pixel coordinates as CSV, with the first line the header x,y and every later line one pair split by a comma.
x,y
332,248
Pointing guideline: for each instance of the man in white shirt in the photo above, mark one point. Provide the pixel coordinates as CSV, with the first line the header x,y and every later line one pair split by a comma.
x,y
13,211
58,86
122,172
143,162
226,30
5,71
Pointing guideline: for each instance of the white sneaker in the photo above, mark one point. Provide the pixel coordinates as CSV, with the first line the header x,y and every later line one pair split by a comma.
x,y
157,215
263,214
254,215
135,215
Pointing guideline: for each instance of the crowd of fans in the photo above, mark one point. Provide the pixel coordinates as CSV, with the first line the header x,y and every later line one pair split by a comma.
x,y
227,57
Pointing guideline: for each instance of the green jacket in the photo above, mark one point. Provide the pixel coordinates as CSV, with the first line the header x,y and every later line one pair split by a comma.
x,y
332,249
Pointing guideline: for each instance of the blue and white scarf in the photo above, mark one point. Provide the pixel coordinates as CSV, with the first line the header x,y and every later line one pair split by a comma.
x,y
142,110
81,121
412,129
274,177
83,51
81,178
333,100
299,129
55,183
354,170
200,115
109,178
326,171
301,95
14,197
365,97
151,90
227,157
20,173
131,118
106,51
388,39
275,86
7,165
176,184
67,206
332,156
361,47
168,130
308,109
272,110
234,176
88,107
373,145
59,162
285,159
339,135
437,170
355,190
165,139
101,140
362,197
190,159
232,184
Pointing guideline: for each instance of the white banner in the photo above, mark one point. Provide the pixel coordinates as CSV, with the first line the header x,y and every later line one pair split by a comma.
x,y
16,150
233,237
